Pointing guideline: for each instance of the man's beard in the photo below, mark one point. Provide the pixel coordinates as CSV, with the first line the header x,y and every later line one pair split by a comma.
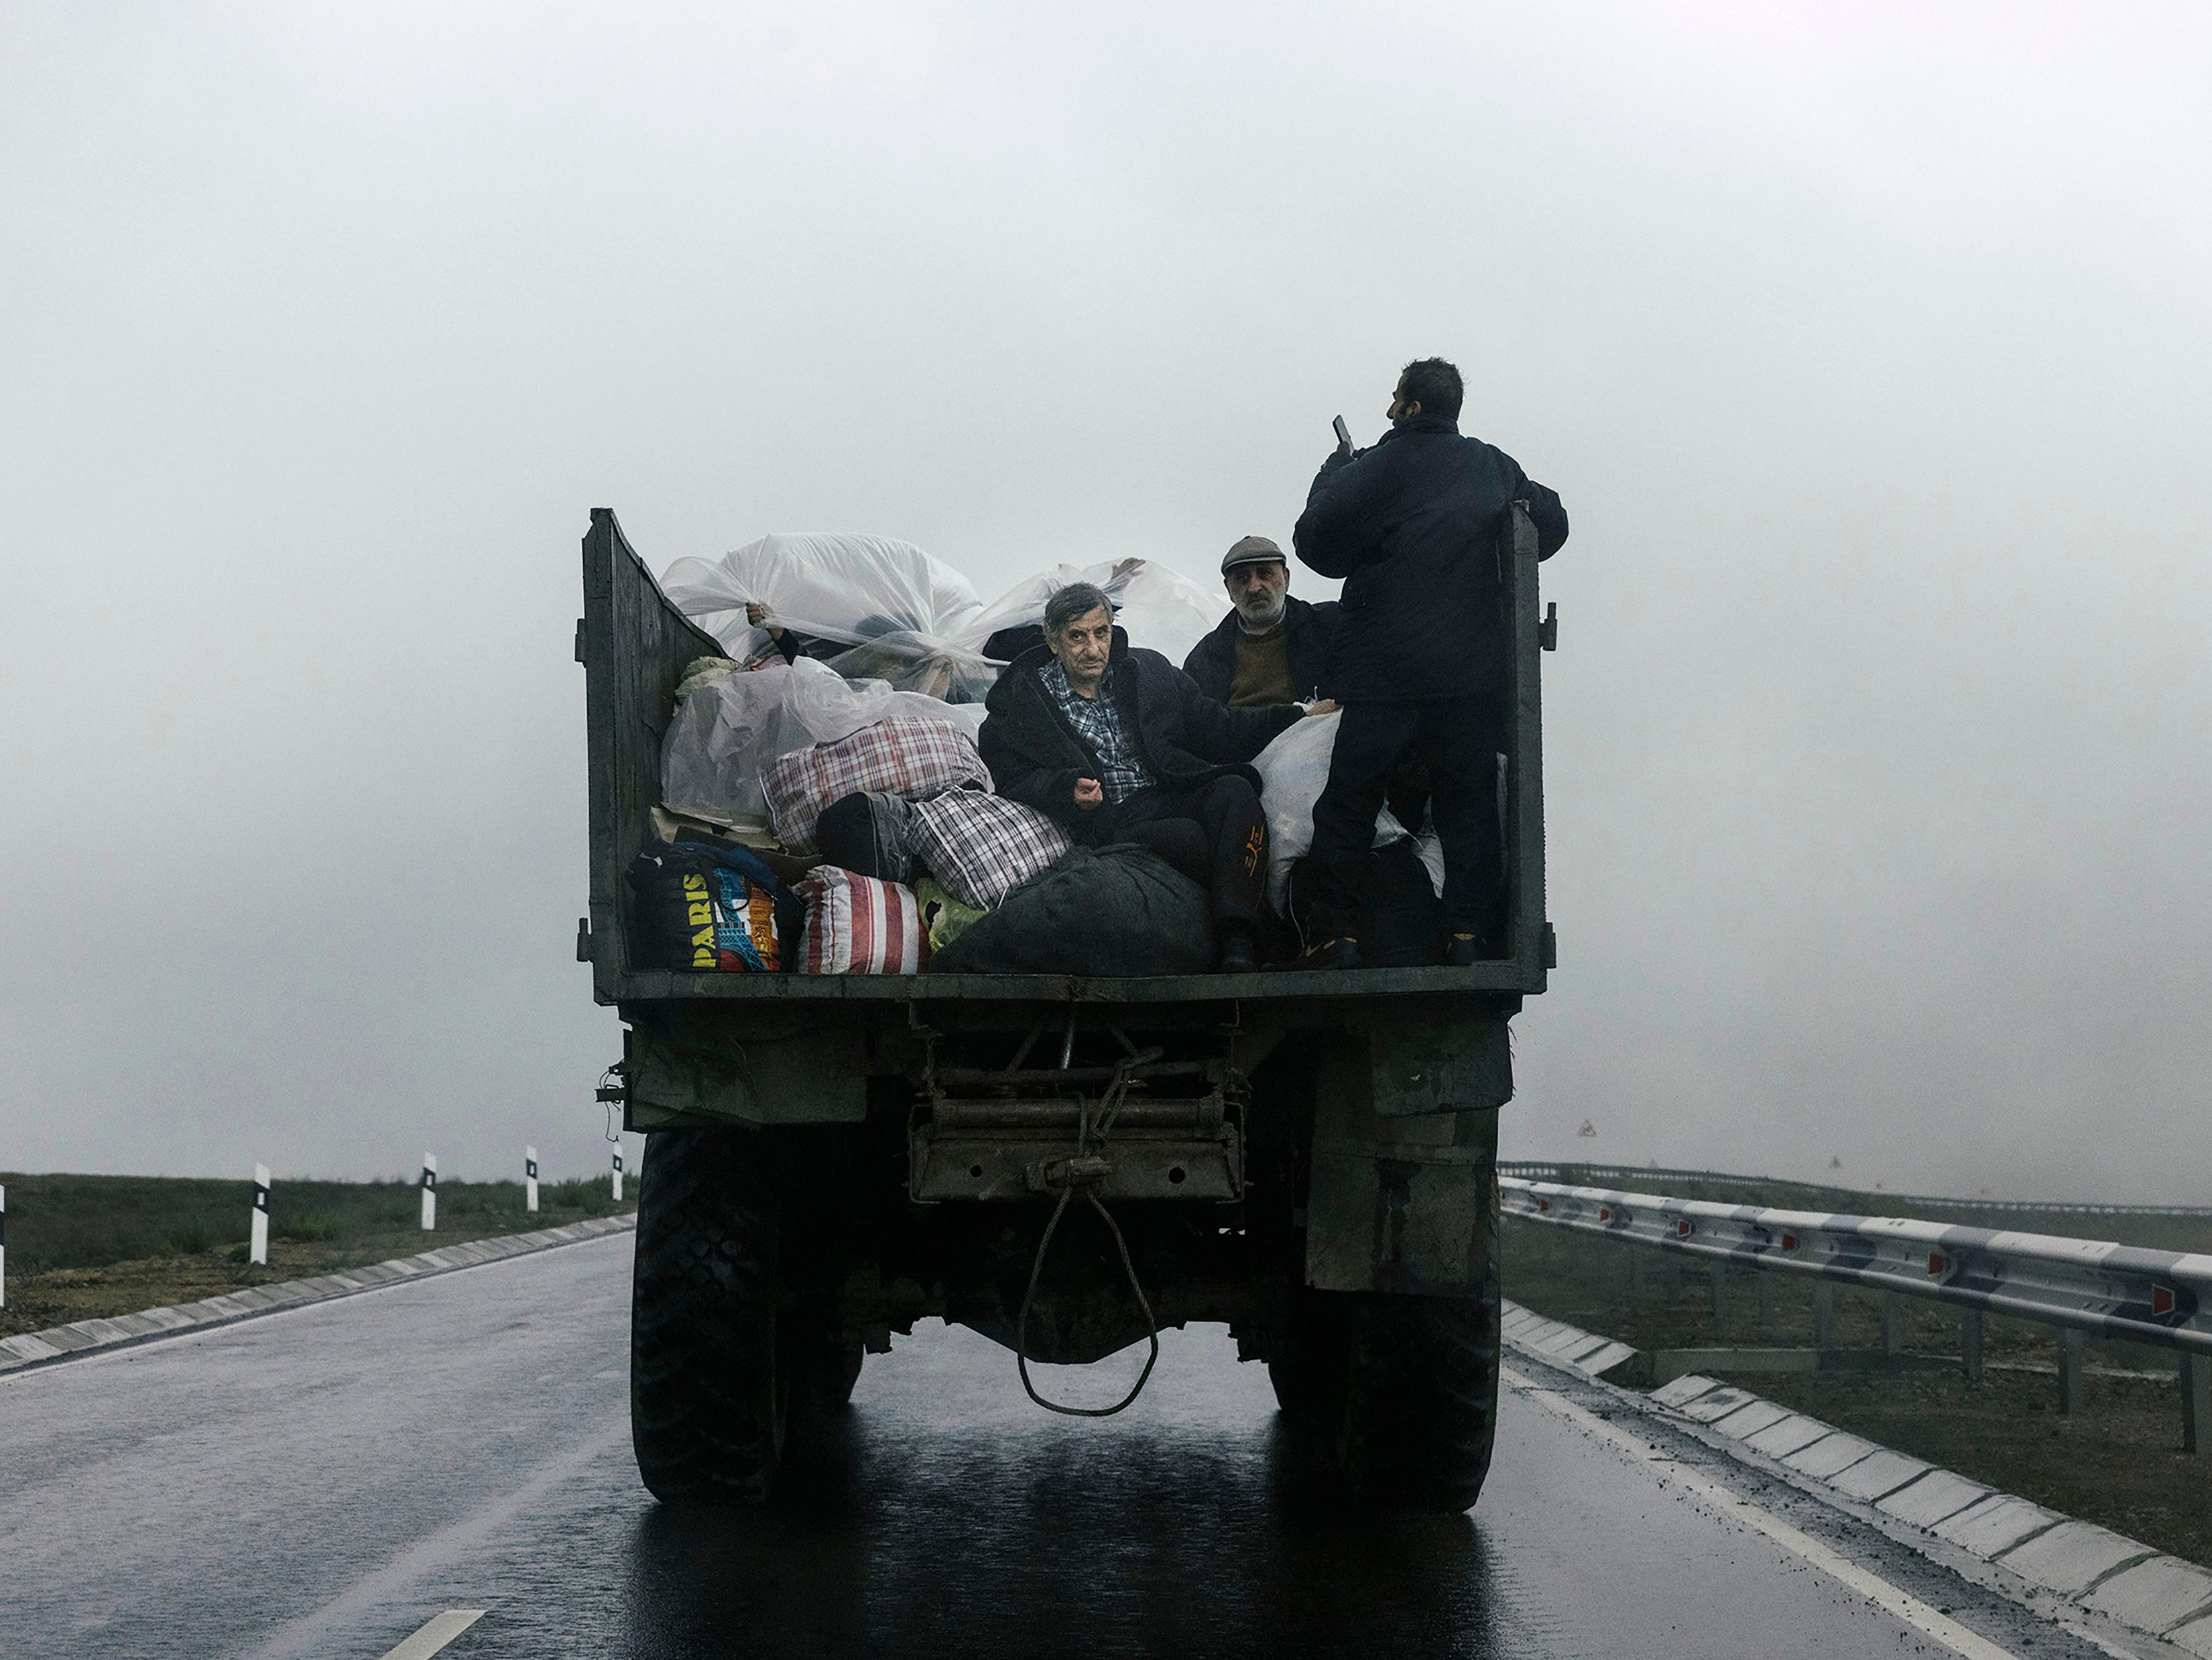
x,y
1260,622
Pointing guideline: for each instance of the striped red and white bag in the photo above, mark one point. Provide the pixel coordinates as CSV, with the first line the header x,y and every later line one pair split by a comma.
x,y
859,924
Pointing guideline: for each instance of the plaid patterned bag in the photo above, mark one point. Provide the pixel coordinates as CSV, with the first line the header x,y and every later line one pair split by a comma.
x,y
859,925
983,847
915,756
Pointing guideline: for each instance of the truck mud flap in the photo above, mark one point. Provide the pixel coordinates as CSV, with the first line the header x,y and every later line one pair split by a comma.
x,y
1391,1217
1403,1189
691,1072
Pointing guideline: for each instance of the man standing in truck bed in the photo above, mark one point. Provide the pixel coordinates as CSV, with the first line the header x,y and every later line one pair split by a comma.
x,y
1415,526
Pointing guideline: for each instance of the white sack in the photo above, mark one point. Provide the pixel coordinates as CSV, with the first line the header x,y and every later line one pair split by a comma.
x,y
710,755
847,588
728,732
1292,770
1161,609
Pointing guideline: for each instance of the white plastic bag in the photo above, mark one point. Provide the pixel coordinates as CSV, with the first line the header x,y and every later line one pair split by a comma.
x,y
821,707
850,589
1160,608
711,756
728,732
1294,769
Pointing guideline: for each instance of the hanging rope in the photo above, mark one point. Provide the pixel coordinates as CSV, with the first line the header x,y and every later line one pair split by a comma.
x,y
1085,1173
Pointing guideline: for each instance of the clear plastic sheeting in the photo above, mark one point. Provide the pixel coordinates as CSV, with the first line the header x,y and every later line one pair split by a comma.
x,y
1294,769
729,731
909,662
847,588
909,620
1160,609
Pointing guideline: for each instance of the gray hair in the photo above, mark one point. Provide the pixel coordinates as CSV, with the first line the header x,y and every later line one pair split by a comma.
x,y
1078,599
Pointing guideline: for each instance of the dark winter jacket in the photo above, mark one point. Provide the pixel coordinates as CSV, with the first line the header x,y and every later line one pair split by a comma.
x,y
1413,526
1310,631
1185,737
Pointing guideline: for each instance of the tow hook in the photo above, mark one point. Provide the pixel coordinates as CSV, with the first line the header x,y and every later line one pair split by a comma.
x,y
1067,1175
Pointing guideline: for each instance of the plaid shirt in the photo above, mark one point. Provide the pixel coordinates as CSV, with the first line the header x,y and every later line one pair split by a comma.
x,y
1097,721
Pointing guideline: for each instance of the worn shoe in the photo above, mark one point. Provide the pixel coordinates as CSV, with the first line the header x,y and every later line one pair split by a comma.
x,y
1342,951
1465,950
1237,956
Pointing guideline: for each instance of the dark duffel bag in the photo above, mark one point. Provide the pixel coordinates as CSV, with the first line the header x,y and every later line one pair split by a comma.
x,y
1402,920
1106,911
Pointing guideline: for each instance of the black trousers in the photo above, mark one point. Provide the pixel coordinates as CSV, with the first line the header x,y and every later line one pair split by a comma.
x,y
1458,739
1214,834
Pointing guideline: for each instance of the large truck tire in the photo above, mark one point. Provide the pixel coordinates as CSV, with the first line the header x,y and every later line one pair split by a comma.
x,y
1308,1371
1401,1391
708,1398
1419,1408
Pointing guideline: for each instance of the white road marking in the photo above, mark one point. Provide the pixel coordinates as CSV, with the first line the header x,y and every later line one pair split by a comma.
x,y
1733,1507
441,1630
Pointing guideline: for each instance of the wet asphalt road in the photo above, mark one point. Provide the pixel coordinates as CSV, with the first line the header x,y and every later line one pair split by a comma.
x,y
322,1481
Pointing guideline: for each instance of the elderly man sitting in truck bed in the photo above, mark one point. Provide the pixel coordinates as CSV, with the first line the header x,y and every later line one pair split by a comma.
x,y
1271,647
1119,745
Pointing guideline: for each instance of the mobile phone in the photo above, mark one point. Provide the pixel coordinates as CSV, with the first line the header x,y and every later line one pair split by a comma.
x,y
1343,433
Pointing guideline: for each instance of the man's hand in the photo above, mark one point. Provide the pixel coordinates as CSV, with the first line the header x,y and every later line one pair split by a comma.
x,y
757,615
1089,797
1320,706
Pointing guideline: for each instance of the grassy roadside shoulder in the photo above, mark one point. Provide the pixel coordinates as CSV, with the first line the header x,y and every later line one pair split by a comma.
x,y
87,1247
2118,1462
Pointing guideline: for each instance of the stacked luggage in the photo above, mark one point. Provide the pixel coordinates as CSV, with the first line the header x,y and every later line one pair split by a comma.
x,y
826,809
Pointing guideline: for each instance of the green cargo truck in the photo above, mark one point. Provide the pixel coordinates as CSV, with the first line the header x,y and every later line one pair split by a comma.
x,y
1306,1157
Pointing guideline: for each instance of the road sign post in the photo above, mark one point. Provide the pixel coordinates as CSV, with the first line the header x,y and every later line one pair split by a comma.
x,y
429,1191
529,1179
617,1172
258,1251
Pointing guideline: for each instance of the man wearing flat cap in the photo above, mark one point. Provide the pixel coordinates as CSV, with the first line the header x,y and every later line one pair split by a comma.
x,y
1270,648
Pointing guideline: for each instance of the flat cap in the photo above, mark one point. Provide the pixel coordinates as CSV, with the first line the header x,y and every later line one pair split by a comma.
x,y
1252,550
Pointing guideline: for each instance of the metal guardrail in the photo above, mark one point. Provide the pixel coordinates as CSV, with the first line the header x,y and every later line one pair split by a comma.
x,y
2127,1292
1574,1174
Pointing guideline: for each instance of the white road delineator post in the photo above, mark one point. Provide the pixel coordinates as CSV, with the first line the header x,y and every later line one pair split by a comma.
x,y
617,1172
258,1251
429,1191
529,1179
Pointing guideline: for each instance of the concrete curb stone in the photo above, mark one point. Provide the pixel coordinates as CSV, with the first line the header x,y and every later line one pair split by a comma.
x,y
1936,1497
1684,1390
1716,1403
2091,1566
1792,1433
1878,1474
37,1349
1996,1524
2193,1636
2155,1595
2073,1556
1747,1420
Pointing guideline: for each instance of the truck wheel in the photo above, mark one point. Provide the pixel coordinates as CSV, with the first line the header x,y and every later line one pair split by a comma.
x,y
1420,1407
1307,1373
708,1398
844,1373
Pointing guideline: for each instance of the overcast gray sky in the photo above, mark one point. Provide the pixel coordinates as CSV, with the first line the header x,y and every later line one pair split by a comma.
x,y
1868,344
